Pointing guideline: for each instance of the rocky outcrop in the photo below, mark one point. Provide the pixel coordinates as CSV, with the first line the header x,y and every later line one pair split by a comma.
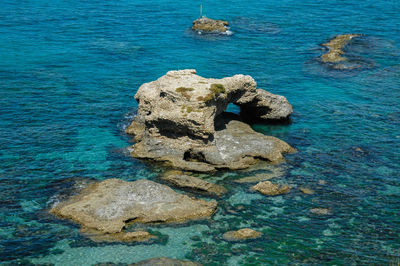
x,y
207,25
335,56
241,234
270,189
181,121
109,206
182,180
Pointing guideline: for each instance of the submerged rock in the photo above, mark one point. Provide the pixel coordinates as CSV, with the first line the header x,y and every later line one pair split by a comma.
x,y
181,121
166,262
99,236
271,189
321,211
255,178
335,55
306,190
241,234
109,206
205,24
181,180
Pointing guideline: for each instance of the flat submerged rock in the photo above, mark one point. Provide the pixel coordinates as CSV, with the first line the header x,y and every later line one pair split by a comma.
x,y
270,189
110,205
241,234
179,179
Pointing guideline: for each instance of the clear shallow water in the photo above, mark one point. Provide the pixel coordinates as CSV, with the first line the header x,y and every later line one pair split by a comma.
x,y
69,70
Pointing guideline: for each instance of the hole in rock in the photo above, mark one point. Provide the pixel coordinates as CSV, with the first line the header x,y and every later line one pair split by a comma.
x,y
130,220
233,108
192,156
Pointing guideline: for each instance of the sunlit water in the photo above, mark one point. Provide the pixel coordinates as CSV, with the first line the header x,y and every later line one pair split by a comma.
x,y
69,71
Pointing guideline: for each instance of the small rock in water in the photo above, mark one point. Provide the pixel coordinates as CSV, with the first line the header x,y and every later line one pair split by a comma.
x,y
241,234
271,189
321,182
307,190
205,24
321,211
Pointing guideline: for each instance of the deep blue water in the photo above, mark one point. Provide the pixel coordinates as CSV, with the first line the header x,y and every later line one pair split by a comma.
x,y
69,71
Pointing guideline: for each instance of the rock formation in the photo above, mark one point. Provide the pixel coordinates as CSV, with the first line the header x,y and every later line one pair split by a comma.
x,y
181,121
207,25
110,205
335,55
241,234
270,189
182,180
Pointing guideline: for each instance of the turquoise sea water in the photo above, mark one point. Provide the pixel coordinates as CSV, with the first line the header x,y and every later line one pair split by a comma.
x,y
68,73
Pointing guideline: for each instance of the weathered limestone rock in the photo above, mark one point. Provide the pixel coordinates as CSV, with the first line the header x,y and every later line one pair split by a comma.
x,y
241,234
180,120
181,180
205,24
110,205
271,189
